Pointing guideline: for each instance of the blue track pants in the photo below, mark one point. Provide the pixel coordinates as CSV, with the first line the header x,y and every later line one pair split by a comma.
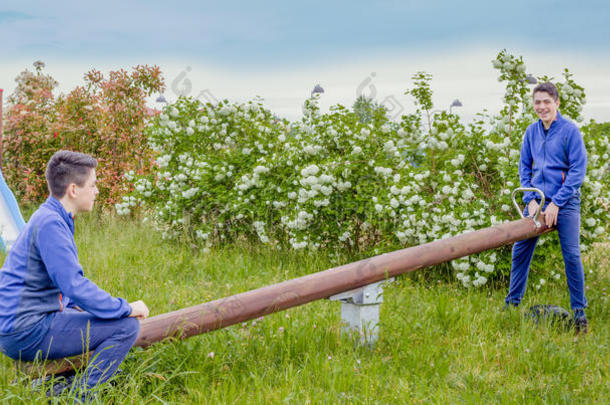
x,y
71,332
568,228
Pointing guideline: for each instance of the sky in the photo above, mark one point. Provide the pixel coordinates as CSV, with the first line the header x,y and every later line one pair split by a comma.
x,y
279,50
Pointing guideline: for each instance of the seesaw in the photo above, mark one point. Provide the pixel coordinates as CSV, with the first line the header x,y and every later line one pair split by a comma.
x,y
349,283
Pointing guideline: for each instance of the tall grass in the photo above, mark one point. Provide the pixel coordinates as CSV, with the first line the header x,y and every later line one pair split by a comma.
x,y
438,343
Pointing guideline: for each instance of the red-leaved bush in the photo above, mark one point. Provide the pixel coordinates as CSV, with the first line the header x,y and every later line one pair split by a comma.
x,y
104,118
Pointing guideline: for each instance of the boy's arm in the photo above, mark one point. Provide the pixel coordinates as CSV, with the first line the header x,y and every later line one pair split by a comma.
x,y
577,161
57,251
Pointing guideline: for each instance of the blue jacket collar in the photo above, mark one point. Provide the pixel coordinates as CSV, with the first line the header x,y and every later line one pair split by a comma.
x,y
554,123
56,206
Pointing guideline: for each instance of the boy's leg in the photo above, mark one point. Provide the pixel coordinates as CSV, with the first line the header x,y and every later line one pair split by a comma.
x,y
72,332
568,227
523,251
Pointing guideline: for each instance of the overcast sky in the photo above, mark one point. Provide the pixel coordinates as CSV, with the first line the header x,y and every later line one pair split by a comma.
x,y
279,50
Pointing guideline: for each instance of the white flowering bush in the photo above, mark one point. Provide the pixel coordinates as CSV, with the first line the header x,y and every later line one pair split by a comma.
x,y
235,171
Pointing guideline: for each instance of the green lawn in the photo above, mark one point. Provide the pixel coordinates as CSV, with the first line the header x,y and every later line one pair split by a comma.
x,y
439,343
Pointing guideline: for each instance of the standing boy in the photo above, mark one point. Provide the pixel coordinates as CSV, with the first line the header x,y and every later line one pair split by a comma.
x,y
48,309
553,159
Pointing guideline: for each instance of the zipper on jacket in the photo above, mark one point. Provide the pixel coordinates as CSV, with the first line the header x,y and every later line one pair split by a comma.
x,y
544,159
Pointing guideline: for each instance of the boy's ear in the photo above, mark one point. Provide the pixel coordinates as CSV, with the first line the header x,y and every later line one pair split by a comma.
x,y
71,190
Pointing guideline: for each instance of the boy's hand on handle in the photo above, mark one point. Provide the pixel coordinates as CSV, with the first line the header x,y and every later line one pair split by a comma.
x,y
532,207
550,215
138,309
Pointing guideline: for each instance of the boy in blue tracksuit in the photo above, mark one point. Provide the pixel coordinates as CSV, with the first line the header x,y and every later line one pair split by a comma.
x,y
553,159
48,309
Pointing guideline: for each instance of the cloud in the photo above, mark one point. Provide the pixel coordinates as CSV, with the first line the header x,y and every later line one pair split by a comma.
x,y
81,29
279,33
279,49
463,73
10,16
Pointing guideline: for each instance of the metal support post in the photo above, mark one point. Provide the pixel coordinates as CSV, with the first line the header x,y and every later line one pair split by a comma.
x,y
360,310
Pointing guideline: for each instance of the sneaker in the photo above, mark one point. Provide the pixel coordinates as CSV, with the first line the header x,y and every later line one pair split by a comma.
x,y
581,325
549,313
61,383
60,387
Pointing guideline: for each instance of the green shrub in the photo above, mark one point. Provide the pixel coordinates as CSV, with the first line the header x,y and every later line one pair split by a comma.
x,y
339,182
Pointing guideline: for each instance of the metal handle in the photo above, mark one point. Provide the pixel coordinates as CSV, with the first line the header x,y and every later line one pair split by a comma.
x,y
536,190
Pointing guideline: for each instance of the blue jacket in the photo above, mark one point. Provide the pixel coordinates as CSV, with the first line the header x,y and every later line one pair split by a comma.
x,y
42,270
555,163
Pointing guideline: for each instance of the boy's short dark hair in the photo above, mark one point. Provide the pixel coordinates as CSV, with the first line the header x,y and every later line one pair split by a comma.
x,y
66,167
549,88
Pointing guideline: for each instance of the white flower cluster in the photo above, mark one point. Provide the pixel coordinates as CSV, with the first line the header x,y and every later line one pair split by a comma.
x,y
129,176
300,222
191,192
124,208
345,236
312,149
144,187
384,171
458,161
479,280
506,142
258,170
163,160
259,227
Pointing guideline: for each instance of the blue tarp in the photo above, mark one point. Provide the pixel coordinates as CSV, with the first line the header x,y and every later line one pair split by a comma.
x,y
9,211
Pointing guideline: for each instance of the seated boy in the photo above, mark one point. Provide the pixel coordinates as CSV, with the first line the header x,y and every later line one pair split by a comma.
x,y
48,308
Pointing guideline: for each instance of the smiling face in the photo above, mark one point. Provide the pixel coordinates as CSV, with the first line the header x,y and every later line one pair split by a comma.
x,y
546,107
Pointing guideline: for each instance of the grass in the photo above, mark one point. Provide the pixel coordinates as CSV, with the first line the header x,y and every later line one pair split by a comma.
x,y
439,343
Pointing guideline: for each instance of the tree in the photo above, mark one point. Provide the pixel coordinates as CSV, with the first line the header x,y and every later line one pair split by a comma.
x,y
365,108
